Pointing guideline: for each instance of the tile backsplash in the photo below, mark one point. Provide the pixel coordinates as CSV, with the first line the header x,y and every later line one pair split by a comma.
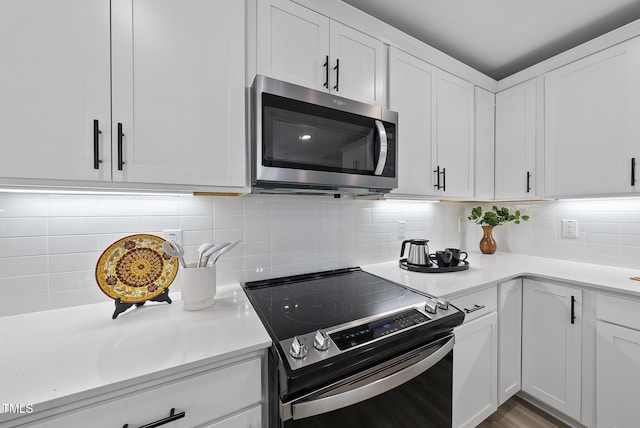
x,y
49,244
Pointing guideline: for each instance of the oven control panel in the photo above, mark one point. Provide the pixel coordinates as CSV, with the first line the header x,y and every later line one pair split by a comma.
x,y
363,333
316,346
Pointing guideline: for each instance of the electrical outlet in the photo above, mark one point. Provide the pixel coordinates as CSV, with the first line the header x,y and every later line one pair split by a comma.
x,y
569,228
401,228
173,235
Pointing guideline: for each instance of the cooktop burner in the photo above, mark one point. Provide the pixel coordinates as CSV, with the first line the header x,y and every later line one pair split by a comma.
x,y
301,304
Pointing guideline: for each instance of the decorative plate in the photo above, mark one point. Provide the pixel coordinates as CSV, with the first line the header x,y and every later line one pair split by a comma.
x,y
135,269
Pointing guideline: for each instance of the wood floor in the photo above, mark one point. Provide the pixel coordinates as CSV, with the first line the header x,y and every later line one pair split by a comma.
x,y
517,413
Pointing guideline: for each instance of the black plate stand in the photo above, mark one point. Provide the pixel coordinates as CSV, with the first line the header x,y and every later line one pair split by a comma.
x,y
121,306
433,268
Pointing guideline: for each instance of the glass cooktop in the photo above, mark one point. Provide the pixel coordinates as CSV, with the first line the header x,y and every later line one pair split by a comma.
x,y
301,304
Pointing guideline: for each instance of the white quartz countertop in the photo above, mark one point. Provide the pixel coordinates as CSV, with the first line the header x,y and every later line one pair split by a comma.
x,y
48,357
486,269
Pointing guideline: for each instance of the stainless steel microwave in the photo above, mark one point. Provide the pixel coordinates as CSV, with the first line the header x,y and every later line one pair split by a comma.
x,y
308,141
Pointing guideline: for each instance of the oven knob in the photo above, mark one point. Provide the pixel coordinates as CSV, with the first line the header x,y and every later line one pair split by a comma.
x,y
297,349
443,304
322,341
431,306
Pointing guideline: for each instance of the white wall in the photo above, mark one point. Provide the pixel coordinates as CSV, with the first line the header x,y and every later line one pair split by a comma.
x,y
608,231
49,244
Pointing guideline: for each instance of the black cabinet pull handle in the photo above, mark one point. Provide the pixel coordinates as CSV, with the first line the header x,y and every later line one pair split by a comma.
x,y
442,173
633,171
96,144
444,179
528,181
173,416
326,72
120,135
337,69
476,307
573,310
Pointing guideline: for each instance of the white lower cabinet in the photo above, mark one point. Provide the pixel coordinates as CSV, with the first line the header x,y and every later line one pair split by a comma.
x,y
552,345
475,359
617,362
235,389
509,339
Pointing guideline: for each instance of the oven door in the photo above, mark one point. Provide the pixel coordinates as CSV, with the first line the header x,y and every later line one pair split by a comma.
x,y
412,390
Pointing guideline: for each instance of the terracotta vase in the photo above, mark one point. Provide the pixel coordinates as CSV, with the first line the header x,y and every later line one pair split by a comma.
x,y
487,243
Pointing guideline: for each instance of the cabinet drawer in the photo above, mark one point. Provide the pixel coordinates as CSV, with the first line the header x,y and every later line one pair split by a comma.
x,y
476,304
618,310
203,398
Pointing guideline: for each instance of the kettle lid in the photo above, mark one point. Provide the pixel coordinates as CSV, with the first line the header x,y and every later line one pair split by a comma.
x,y
419,241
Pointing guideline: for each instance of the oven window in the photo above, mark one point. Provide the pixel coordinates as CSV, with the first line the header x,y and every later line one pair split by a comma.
x,y
310,137
423,402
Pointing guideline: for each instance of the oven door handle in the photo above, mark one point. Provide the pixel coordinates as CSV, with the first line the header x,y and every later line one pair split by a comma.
x,y
303,408
382,158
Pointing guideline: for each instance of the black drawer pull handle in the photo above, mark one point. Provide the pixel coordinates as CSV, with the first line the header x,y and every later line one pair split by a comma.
x,y
337,69
96,144
573,310
476,307
437,171
633,171
528,181
173,416
120,135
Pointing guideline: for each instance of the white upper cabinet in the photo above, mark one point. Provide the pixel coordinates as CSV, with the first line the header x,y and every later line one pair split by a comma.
x,y
453,151
484,144
516,142
591,129
54,83
178,92
143,93
293,44
410,94
436,128
300,46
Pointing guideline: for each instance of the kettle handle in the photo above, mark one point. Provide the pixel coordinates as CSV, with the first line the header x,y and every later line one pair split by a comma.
x,y
402,248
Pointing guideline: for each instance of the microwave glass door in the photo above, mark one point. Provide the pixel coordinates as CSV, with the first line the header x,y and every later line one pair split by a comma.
x,y
310,137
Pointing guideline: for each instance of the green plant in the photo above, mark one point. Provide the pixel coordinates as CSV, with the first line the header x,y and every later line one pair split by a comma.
x,y
495,217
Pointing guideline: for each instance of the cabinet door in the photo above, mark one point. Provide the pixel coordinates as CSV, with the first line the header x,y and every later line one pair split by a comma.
x,y
591,109
484,144
178,91
358,65
293,44
454,148
54,82
515,141
475,371
618,376
509,339
551,345
410,94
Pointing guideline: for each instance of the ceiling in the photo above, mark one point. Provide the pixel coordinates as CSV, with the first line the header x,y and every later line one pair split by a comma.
x,y
501,37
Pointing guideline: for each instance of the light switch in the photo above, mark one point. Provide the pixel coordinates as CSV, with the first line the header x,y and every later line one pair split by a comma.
x,y
569,228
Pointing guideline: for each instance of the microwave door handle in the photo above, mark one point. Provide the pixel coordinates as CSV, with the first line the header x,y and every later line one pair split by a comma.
x,y
305,409
382,158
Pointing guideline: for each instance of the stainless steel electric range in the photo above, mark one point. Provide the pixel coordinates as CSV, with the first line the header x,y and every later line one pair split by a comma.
x,y
352,349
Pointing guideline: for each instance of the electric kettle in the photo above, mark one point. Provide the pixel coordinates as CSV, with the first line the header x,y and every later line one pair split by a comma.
x,y
418,252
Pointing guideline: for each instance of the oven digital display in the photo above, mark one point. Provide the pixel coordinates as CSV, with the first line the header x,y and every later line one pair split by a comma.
x,y
367,332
